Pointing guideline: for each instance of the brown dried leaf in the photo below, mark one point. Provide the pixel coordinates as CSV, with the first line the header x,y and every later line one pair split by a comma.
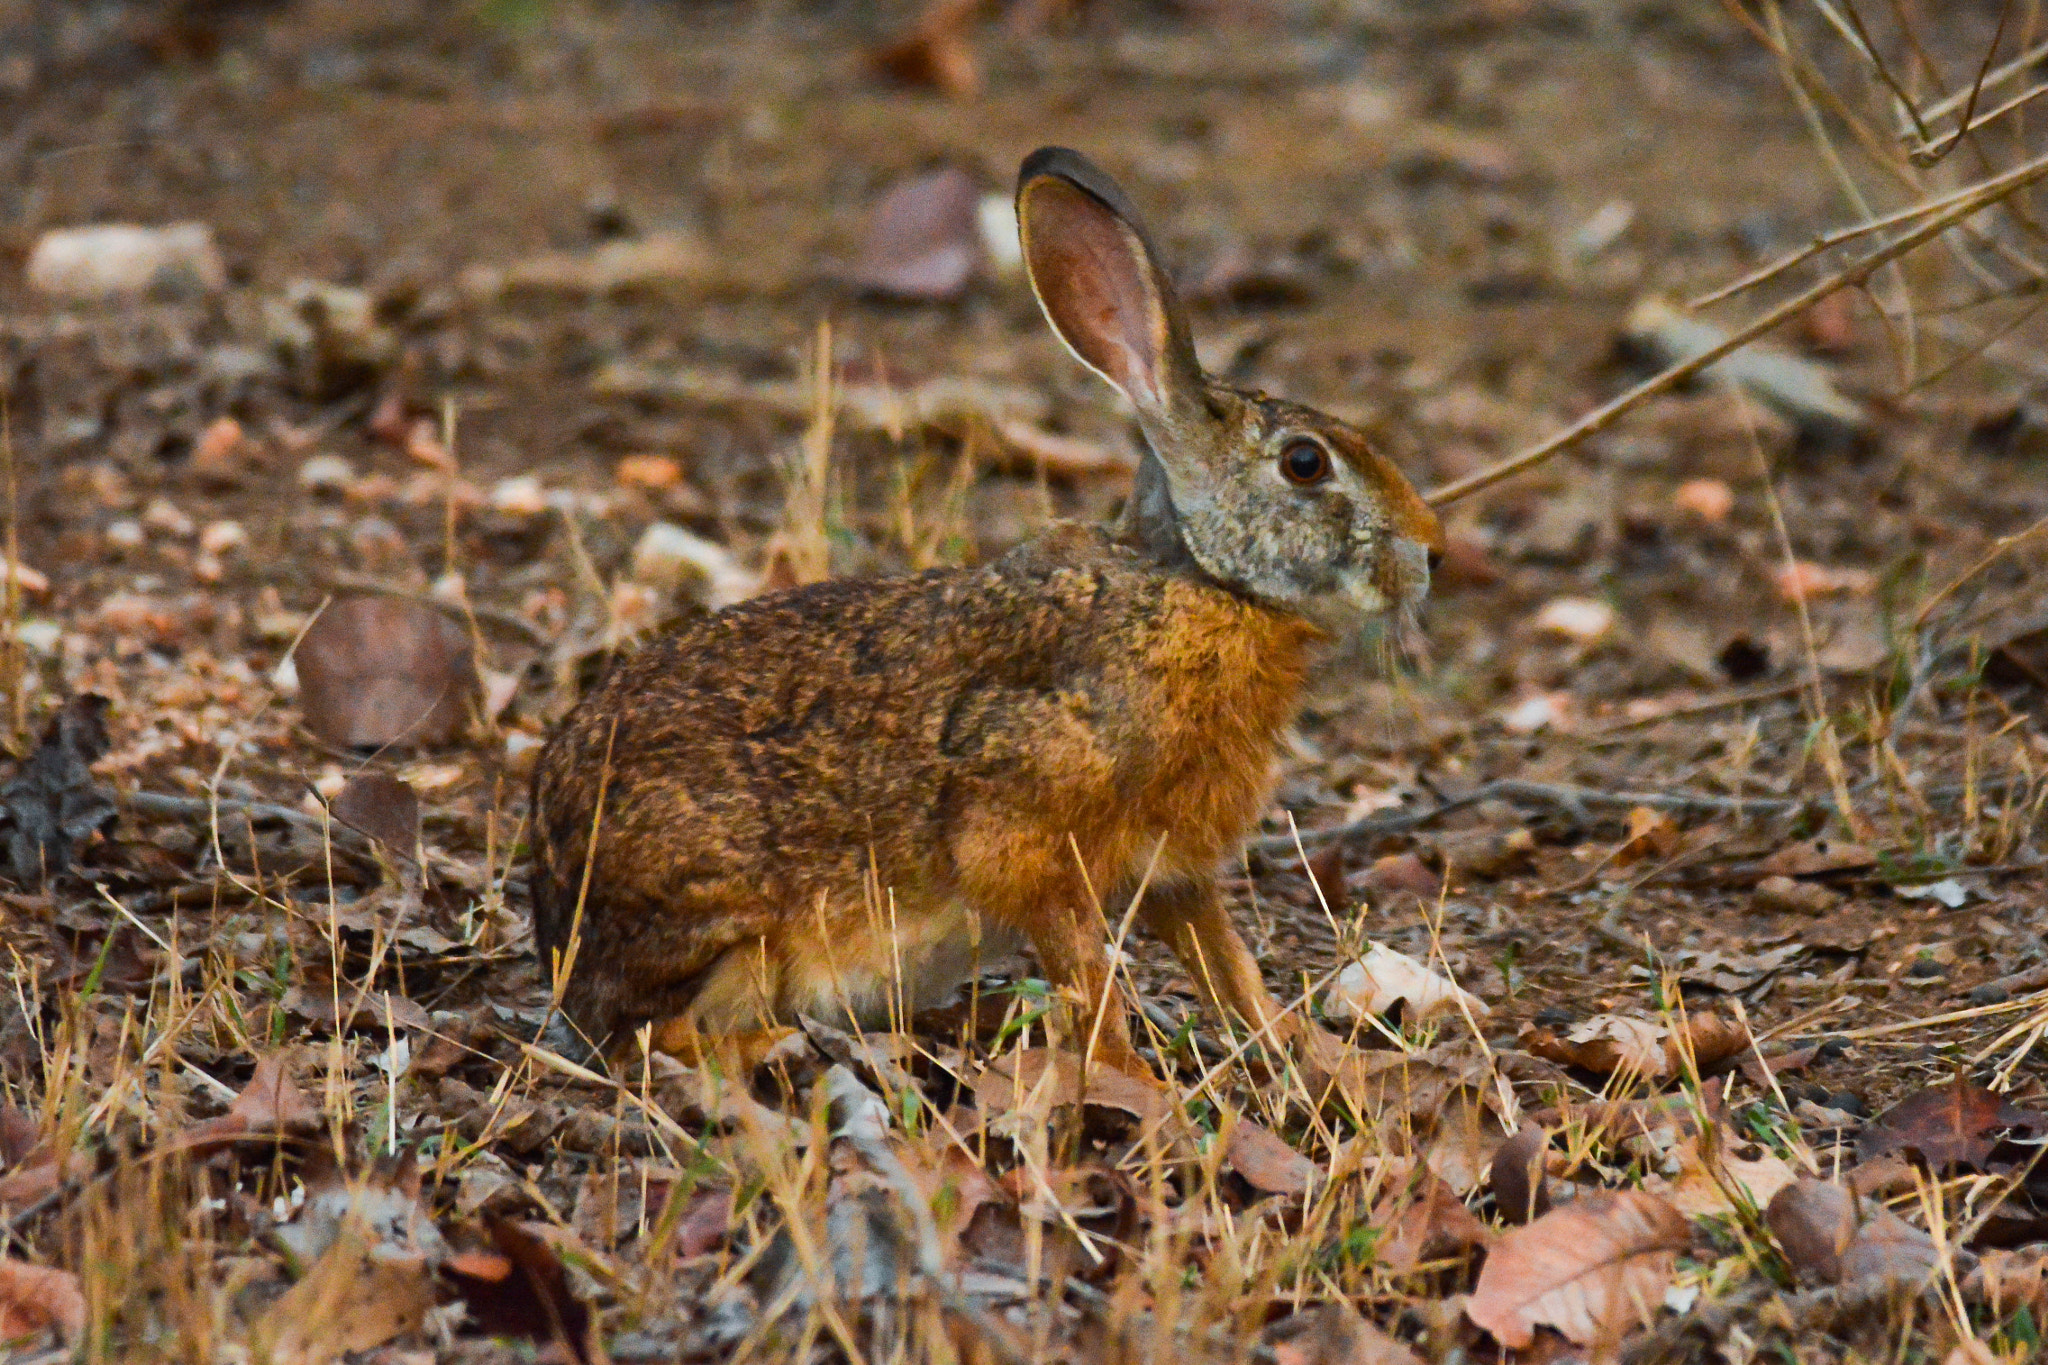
x,y
383,807
378,1011
924,242
377,670
2006,1281
520,1290
1816,857
1268,1164
1814,1222
1426,1221
935,53
34,1298
1335,1334
1830,1236
1609,1043
1650,834
350,1300
269,1107
1591,1269
1952,1125
1710,1184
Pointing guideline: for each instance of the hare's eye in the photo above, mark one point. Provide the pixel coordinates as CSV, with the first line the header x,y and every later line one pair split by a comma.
x,y
1305,462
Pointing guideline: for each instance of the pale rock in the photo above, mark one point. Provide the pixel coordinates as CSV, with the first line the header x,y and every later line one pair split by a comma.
x,y
126,534
167,517
1582,620
220,537
123,260
519,496
669,558
326,474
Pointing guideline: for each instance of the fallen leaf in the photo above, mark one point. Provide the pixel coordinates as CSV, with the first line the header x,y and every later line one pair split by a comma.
x,y
351,1299
1947,1126
924,241
1401,874
1813,1222
383,807
1832,1236
1591,1269
1384,978
1608,1043
1712,1179
2006,1281
376,670
34,1298
935,53
1710,500
519,1289
1266,1163
1817,857
52,803
1425,1221
1335,1334
1028,1085
1465,1134
378,1011
1800,581
1650,834
268,1107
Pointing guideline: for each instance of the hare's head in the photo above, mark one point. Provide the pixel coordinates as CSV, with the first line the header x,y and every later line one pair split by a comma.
x,y
1273,499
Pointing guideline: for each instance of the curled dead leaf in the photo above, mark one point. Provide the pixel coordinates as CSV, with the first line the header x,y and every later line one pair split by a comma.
x,y
376,670
36,1298
1266,1163
1384,979
1651,1049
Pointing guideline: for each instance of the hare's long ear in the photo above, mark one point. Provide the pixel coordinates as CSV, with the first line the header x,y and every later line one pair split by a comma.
x,y
1099,284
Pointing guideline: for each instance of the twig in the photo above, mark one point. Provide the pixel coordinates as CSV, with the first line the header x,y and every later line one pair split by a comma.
x,y
165,805
1857,273
1536,793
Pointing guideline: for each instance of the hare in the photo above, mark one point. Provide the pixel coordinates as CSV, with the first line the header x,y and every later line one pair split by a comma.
x,y
832,801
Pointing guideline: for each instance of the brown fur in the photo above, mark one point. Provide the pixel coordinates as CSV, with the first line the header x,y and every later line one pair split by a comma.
x,y
823,801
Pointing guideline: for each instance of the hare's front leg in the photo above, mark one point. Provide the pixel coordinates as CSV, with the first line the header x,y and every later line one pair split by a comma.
x,y
1189,916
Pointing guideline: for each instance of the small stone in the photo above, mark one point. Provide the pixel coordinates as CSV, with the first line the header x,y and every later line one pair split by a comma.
x,y
219,455
326,474
1582,620
519,496
219,537
669,559
122,260
126,534
1710,500
165,516
653,473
